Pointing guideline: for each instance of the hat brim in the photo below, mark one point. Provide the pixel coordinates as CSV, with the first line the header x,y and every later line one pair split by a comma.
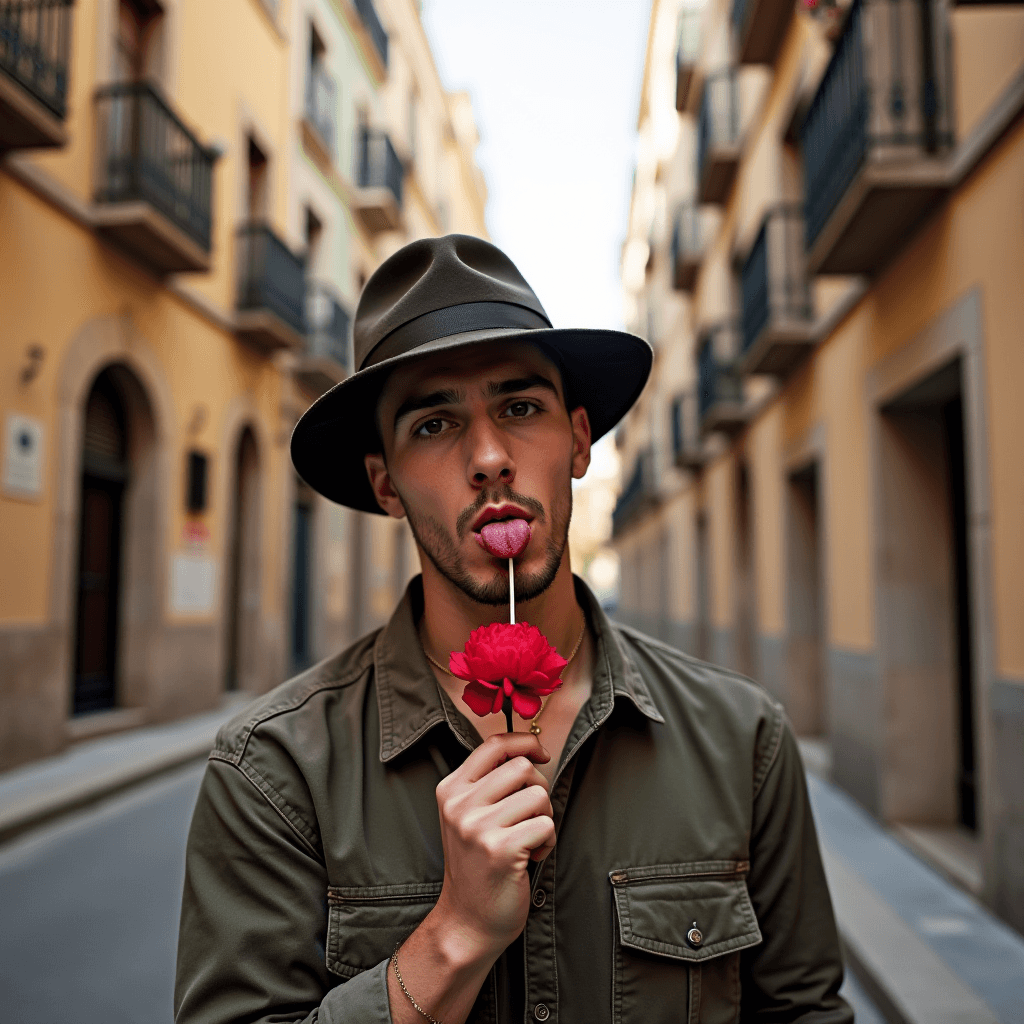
x,y
604,371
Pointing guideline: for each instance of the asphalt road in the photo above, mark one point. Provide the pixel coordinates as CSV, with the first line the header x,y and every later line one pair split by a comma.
x,y
89,912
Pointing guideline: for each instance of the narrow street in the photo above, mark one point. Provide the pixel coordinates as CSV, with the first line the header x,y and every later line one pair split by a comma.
x,y
90,910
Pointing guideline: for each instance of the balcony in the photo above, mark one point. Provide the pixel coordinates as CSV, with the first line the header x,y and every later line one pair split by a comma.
x,y
639,494
687,54
687,248
153,196
759,26
777,314
323,360
720,404
718,136
875,134
320,117
375,30
687,443
379,178
35,41
271,310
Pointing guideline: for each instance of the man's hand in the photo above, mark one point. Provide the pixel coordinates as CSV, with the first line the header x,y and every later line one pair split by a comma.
x,y
495,817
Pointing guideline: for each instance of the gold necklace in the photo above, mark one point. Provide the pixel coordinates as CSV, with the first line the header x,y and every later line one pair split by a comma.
x,y
534,726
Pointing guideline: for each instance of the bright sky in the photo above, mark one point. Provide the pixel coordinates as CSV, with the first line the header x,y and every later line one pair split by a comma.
x,y
555,87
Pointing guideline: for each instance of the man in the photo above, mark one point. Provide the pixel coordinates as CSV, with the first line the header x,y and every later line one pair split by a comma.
x,y
364,848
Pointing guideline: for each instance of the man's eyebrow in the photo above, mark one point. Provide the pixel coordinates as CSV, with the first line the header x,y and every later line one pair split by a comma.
x,y
497,388
444,396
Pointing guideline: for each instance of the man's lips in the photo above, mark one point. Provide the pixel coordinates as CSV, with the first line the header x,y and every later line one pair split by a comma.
x,y
503,531
495,512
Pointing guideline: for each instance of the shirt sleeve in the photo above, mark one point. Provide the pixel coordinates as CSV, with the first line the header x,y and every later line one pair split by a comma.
x,y
254,918
794,975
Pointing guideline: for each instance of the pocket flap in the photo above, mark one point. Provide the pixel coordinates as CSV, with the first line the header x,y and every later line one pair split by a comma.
x,y
659,904
365,924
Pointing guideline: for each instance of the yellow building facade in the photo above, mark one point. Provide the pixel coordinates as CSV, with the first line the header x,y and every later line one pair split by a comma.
x,y
821,484
169,311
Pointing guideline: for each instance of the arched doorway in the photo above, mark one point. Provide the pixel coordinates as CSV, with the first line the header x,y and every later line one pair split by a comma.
x,y
105,474
243,590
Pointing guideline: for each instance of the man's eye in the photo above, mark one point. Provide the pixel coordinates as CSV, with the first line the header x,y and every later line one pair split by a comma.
x,y
430,427
518,410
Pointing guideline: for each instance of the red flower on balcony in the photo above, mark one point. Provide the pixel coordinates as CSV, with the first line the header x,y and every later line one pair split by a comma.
x,y
505,660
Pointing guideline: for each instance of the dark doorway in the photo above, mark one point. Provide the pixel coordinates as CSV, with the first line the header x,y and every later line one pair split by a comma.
x,y
926,617
702,597
104,477
243,568
745,657
803,693
302,551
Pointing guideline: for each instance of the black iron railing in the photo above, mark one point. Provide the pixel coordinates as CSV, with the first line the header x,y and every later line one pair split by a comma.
x,y
719,120
147,154
774,282
368,13
327,326
639,488
892,98
35,42
378,163
270,276
687,234
717,377
322,104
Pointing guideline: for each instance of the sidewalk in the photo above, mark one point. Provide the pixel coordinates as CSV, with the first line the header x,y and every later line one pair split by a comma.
x,y
924,951
95,769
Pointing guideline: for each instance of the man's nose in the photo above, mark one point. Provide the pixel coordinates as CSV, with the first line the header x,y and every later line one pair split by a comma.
x,y
490,460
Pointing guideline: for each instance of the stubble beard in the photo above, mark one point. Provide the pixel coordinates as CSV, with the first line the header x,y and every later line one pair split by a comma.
x,y
441,548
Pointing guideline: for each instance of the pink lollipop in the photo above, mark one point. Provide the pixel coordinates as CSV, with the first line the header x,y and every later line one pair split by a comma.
x,y
507,539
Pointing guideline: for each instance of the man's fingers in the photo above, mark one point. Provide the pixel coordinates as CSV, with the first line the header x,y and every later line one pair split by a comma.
x,y
534,834
507,778
532,802
497,749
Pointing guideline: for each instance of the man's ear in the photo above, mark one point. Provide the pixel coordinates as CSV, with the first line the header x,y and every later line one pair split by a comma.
x,y
580,442
383,490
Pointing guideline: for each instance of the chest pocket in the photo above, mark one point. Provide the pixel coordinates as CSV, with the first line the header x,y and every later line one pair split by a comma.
x,y
680,929
364,924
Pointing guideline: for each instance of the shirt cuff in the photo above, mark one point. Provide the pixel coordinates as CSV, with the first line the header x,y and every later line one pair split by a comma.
x,y
363,998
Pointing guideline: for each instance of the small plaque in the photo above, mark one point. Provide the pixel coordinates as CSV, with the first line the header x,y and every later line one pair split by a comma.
x,y
193,584
23,456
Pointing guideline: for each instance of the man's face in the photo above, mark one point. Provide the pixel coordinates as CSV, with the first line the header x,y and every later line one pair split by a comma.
x,y
474,434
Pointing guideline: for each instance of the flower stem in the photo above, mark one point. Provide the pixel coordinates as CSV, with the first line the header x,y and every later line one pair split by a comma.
x,y
506,706
511,598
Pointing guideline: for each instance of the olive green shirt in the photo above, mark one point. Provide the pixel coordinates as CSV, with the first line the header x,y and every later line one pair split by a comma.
x,y
686,884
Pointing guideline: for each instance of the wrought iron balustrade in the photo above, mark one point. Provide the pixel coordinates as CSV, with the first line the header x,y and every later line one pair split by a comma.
x,y
378,163
885,96
718,124
774,282
368,12
270,276
35,44
147,154
718,380
322,104
637,493
327,327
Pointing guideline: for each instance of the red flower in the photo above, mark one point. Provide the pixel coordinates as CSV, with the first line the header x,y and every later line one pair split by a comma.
x,y
502,660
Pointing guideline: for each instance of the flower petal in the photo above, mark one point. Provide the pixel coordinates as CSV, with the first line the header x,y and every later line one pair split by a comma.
x,y
525,705
481,698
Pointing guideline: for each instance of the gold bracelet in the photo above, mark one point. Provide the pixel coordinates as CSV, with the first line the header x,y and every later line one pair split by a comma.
x,y
419,1009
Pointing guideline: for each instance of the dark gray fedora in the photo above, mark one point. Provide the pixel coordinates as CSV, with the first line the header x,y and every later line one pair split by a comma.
x,y
442,293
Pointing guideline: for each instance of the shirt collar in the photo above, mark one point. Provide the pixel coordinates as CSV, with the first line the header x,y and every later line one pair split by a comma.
x,y
411,703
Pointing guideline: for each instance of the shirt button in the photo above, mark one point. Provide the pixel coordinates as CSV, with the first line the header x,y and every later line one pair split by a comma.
x,y
541,1011
540,897
694,936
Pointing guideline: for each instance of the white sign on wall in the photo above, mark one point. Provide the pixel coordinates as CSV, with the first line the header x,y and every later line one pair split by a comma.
x,y
23,456
193,584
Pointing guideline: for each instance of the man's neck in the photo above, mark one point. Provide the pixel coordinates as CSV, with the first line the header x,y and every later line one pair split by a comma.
x,y
449,615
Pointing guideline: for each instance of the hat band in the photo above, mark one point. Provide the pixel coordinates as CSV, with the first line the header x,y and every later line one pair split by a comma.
x,y
442,323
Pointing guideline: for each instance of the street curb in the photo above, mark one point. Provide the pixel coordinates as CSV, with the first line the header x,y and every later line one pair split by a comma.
x,y
903,976
34,810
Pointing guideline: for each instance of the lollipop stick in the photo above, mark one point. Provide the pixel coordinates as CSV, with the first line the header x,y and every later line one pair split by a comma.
x,y
511,594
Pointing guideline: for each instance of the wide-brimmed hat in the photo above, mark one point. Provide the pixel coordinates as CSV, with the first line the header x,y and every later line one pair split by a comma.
x,y
436,294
